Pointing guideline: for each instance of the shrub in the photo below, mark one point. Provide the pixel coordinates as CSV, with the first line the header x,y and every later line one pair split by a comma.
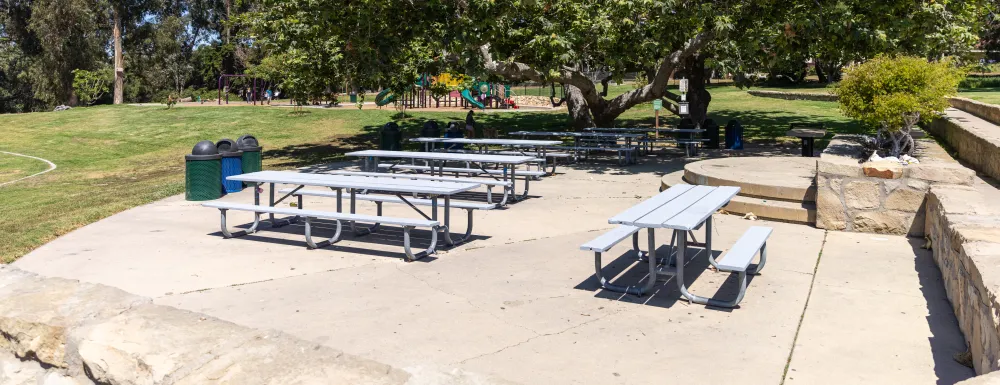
x,y
90,86
880,91
892,92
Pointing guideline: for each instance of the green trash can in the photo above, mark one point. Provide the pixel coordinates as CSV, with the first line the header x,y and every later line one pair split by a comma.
x,y
252,160
203,172
390,138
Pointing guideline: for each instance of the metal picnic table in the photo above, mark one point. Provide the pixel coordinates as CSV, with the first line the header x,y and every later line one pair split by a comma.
x,y
577,136
440,159
683,209
398,187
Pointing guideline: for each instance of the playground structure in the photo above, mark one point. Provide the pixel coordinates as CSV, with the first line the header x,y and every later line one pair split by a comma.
x,y
481,95
256,88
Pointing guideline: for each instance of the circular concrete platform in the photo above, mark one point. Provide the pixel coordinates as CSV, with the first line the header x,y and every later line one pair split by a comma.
x,y
784,178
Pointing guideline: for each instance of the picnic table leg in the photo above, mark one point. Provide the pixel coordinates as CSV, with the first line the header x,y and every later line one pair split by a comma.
x,y
634,290
682,245
708,243
354,227
434,217
271,203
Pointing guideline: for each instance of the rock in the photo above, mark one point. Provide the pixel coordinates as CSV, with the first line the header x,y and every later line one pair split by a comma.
x,y
941,173
56,378
862,195
986,379
830,212
36,313
885,169
16,372
917,184
275,358
882,222
438,376
905,200
62,107
838,165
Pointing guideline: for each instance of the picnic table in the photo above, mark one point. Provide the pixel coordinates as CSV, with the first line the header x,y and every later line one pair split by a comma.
x,y
683,209
353,184
595,141
516,147
475,163
647,142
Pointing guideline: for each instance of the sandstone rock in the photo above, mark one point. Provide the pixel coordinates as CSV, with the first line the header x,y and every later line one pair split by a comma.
x,y
882,222
840,166
986,379
963,200
439,376
941,173
917,184
16,372
276,359
861,195
150,342
835,184
830,213
35,314
905,200
883,169
55,378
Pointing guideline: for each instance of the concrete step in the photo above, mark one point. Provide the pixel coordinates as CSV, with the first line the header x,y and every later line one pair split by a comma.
x,y
789,179
785,211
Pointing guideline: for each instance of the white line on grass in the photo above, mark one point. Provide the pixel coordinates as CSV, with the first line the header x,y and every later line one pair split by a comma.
x,y
52,166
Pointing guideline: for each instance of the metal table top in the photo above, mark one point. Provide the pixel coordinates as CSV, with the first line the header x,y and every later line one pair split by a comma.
x,y
682,207
500,142
447,156
578,134
357,182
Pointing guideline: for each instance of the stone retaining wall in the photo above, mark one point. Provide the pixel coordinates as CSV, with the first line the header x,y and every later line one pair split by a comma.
x,y
979,147
794,95
879,197
963,228
59,331
990,112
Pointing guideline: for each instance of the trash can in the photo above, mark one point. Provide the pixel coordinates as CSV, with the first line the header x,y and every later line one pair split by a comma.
x,y
203,172
455,131
251,161
685,124
430,130
354,97
734,135
232,164
390,138
711,133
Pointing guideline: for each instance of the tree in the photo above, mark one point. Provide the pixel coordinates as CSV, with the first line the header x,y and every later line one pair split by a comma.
x,y
90,86
893,92
124,15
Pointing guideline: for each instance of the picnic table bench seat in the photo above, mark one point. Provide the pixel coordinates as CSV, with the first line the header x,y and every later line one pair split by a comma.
x,y
308,215
738,258
379,199
489,183
626,154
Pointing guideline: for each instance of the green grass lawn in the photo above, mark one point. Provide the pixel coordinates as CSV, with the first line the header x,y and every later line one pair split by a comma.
x,y
14,167
986,95
112,158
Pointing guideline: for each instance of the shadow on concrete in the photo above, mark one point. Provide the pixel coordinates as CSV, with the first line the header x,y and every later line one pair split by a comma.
x,y
628,270
946,338
324,229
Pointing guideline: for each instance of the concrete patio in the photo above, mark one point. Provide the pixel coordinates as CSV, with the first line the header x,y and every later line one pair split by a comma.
x,y
520,302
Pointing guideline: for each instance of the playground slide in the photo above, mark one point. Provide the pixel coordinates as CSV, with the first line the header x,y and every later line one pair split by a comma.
x,y
384,98
467,95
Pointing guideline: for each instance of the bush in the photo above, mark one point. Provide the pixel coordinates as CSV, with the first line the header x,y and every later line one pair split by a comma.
x,y
980,82
881,91
90,86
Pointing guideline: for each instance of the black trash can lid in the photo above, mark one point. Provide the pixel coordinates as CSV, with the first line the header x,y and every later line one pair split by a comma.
x,y
204,150
248,143
228,148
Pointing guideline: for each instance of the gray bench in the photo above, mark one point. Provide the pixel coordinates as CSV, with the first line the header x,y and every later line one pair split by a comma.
x,y
626,154
489,183
379,199
308,215
738,258
605,242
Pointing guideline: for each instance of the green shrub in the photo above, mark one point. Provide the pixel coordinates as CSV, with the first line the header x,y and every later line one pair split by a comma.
x,y
882,91
90,86
980,82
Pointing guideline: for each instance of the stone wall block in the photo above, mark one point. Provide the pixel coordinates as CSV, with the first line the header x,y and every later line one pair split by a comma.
x,y
830,213
862,195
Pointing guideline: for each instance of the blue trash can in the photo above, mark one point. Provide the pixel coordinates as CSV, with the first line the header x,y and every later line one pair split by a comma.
x,y
232,164
734,135
454,132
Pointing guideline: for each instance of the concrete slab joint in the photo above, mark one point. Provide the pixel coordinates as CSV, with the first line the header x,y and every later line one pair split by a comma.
x,y
880,197
59,331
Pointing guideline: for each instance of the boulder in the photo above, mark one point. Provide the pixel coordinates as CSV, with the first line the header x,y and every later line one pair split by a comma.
x,y
862,195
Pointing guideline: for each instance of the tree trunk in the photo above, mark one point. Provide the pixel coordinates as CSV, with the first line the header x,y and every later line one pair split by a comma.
x,y
579,113
819,71
698,97
116,31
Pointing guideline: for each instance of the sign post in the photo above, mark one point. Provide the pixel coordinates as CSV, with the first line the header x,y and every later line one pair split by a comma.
x,y
657,106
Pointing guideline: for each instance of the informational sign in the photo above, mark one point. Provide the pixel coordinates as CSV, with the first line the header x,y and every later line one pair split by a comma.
x,y
682,108
657,104
684,86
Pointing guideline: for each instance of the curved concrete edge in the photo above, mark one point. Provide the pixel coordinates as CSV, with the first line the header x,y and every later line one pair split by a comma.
x,y
786,193
813,96
52,166
794,212
84,333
